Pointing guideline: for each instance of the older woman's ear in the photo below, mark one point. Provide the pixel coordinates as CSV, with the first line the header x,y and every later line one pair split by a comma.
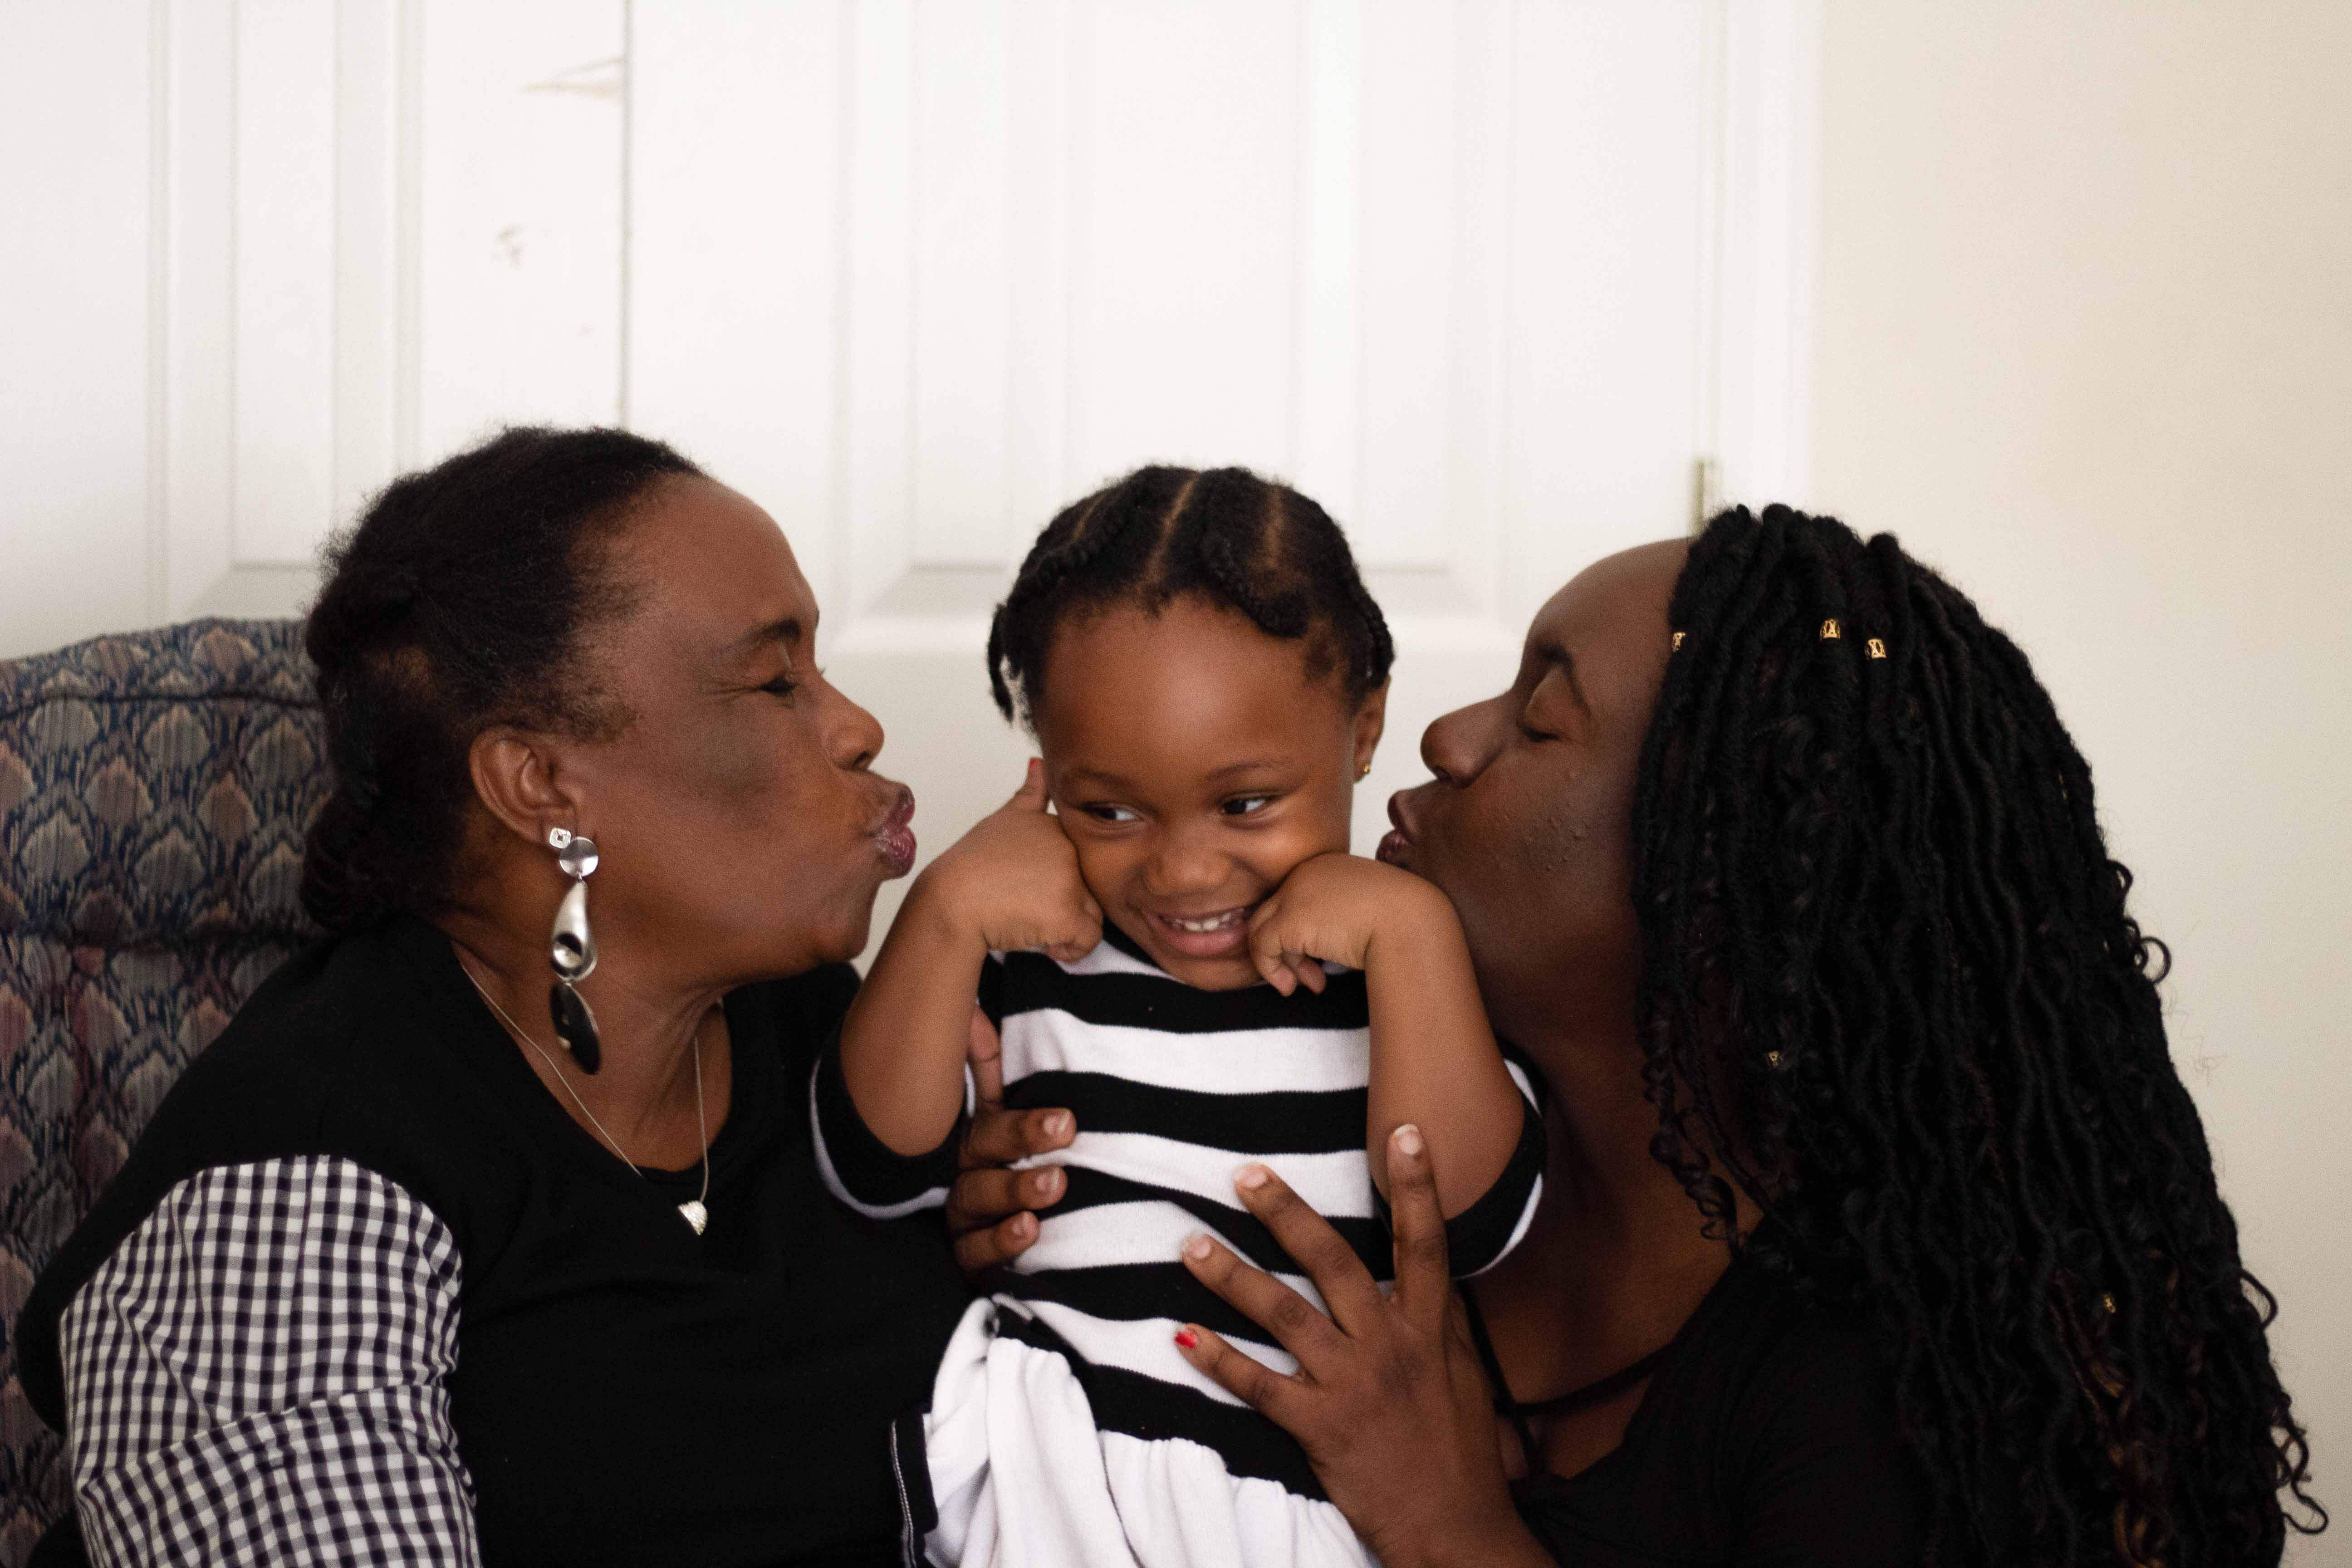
x,y
517,777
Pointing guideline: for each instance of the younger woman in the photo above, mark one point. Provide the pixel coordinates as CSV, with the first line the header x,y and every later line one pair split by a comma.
x,y
1183,954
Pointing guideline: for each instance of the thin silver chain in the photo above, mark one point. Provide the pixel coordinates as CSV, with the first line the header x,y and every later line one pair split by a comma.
x,y
700,1126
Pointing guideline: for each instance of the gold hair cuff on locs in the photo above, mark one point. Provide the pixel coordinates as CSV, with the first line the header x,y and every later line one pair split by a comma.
x,y
1830,632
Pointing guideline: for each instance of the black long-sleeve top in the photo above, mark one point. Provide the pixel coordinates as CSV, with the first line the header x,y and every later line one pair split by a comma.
x,y
364,1287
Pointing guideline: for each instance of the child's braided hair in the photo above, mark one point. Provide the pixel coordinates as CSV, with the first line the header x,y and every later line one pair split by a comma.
x,y
1225,536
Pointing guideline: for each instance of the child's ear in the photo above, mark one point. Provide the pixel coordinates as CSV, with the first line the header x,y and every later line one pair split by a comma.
x,y
1371,715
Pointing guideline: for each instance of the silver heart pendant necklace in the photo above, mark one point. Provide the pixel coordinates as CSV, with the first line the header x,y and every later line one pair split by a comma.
x,y
695,1211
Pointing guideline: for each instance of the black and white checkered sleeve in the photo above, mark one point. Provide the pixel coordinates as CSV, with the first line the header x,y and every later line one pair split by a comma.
x,y
257,1374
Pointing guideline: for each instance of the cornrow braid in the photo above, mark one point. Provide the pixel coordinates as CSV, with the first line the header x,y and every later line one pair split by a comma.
x,y
1226,536
1892,992
1075,542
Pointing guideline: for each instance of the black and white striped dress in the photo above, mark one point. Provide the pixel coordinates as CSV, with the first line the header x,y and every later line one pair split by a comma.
x,y
1064,1426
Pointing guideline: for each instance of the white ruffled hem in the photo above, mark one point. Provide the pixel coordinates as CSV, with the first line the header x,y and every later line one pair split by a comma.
x,y
1022,1479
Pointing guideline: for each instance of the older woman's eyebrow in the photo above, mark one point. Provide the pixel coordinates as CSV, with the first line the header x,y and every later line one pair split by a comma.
x,y
787,629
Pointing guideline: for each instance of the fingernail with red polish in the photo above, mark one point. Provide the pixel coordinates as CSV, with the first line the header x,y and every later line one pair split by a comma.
x,y
1187,1338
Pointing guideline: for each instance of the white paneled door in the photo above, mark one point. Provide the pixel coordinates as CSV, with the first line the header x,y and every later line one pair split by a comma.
x,y
1491,279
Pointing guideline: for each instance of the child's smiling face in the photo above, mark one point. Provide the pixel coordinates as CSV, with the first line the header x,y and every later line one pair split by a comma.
x,y
1193,763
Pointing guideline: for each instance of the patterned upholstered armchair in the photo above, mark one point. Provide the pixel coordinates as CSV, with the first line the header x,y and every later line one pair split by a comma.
x,y
154,791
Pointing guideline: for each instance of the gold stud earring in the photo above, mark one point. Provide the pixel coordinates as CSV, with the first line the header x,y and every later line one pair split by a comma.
x,y
1365,771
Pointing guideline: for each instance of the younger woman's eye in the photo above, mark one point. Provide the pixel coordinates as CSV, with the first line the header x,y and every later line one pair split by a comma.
x,y
1110,814
1247,804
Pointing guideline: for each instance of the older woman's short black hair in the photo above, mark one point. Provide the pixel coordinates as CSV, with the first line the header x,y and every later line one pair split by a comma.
x,y
459,600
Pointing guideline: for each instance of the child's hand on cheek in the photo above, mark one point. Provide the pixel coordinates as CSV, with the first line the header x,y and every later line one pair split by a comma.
x,y
1338,908
1012,883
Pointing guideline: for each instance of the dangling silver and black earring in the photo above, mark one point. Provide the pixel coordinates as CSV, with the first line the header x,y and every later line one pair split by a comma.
x,y
572,950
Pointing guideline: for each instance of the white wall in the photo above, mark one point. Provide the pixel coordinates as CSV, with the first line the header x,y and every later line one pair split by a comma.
x,y
1486,276
2084,339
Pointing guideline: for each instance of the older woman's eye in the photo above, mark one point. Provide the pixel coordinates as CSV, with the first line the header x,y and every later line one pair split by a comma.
x,y
1247,804
782,685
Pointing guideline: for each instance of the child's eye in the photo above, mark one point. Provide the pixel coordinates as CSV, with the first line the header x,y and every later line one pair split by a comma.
x,y
1247,804
1110,814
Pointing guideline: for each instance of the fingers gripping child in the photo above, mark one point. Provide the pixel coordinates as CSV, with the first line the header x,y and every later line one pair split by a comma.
x,y
1167,928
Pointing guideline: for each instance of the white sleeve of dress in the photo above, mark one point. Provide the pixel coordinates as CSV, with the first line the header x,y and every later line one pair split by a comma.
x,y
258,1374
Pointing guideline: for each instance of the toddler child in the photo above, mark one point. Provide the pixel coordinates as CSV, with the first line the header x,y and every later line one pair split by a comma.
x,y
1183,953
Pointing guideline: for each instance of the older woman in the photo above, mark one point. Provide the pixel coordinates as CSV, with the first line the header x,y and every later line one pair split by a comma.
x,y
444,1253
1880,1227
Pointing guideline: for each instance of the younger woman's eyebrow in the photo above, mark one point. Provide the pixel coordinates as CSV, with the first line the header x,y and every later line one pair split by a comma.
x,y
1557,654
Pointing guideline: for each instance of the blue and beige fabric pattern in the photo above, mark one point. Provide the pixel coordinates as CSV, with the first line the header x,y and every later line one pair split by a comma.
x,y
154,791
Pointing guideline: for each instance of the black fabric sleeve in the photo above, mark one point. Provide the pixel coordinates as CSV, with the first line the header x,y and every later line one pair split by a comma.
x,y
1484,1233
859,1168
991,989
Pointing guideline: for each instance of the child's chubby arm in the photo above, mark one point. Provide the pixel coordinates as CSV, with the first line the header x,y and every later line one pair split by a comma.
x,y
1009,884
1434,1060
